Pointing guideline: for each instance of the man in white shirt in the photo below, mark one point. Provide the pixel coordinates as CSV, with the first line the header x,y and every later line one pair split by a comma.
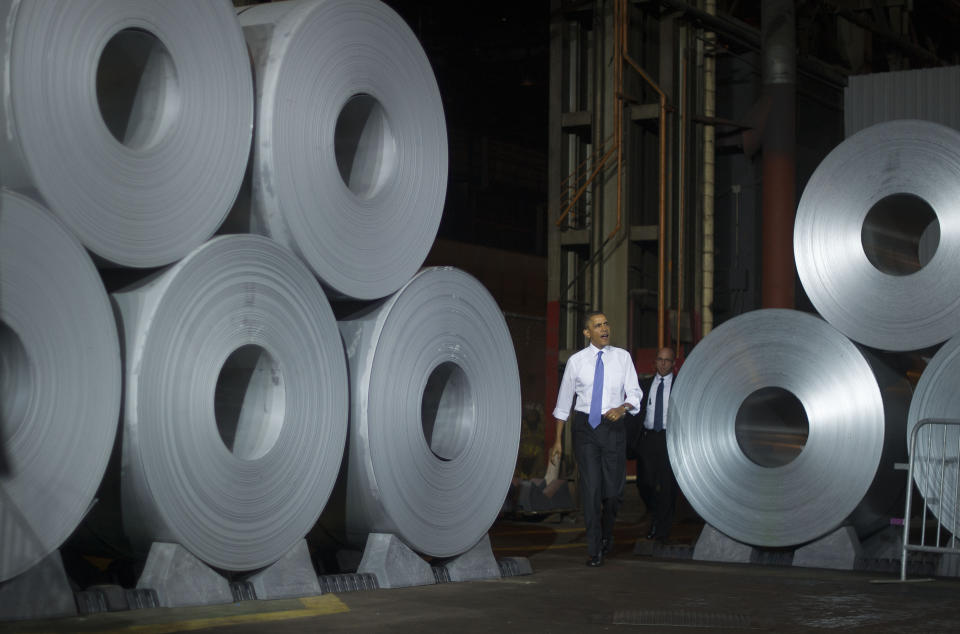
x,y
656,481
605,384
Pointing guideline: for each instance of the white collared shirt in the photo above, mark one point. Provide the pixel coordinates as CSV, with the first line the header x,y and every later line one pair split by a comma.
x,y
652,399
620,383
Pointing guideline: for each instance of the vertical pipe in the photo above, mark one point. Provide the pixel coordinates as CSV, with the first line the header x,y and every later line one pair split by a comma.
x,y
683,181
601,87
778,34
662,232
551,376
620,36
559,149
709,160
662,193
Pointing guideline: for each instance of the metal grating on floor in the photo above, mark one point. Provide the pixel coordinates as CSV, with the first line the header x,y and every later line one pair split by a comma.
x,y
681,618
142,598
90,602
109,598
441,574
242,591
350,582
514,566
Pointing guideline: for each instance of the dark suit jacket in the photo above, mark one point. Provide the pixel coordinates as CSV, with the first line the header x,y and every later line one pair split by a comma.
x,y
634,424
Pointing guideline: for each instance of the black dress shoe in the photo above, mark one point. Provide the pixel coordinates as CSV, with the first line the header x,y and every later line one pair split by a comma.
x,y
653,532
596,560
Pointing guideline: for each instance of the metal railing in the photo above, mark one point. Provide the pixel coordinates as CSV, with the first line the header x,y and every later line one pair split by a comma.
x,y
939,496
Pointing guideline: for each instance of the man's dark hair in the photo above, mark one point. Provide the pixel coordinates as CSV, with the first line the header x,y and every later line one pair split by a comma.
x,y
590,315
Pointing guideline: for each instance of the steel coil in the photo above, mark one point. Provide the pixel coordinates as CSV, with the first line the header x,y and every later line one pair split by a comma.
x,y
131,119
876,238
434,414
935,461
350,155
780,430
235,414
59,383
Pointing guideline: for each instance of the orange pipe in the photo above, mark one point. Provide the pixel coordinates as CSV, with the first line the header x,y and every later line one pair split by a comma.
x,y
593,156
621,23
583,188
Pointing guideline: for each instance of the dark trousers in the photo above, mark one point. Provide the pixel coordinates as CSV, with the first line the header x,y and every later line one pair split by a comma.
x,y
601,458
658,484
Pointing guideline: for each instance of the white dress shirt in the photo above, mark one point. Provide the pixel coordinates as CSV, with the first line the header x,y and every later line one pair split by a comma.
x,y
652,399
620,383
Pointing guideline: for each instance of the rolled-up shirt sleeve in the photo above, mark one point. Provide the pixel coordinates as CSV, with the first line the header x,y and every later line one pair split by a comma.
x,y
631,388
565,397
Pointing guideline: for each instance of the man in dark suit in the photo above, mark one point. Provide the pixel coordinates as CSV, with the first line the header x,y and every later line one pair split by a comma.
x,y
655,479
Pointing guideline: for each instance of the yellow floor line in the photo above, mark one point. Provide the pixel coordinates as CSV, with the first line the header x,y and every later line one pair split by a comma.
x,y
313,606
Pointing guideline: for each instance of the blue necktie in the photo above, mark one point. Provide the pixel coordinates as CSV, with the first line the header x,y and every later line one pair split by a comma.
x,y
658,408
596,400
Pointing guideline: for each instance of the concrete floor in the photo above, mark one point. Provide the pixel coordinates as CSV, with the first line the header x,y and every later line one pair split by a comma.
x,y
629,593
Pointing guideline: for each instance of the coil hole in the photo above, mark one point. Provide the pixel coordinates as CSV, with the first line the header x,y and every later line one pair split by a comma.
x,y
249,402
771,427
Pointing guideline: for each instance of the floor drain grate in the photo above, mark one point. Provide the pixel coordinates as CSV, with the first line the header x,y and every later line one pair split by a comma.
x,y
681,618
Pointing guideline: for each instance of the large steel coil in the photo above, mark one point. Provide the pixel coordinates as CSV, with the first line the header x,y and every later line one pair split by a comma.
x,y
131,119
935,461
781,430
235,415
877,235
434,414
350,155
59,383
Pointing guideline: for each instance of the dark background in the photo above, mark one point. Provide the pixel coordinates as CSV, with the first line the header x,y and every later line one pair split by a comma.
x,y
491,63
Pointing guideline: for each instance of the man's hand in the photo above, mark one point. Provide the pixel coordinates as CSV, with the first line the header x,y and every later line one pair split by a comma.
x,y
556,451
616,413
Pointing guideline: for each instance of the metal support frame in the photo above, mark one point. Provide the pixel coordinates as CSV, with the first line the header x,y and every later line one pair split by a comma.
x,y
946,457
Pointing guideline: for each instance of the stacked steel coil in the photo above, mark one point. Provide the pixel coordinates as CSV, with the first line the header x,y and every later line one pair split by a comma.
x,y
876,241
132,122
59,383
875,248
435,400
237,488
781,429
892,189
937,447
350,156
143,174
